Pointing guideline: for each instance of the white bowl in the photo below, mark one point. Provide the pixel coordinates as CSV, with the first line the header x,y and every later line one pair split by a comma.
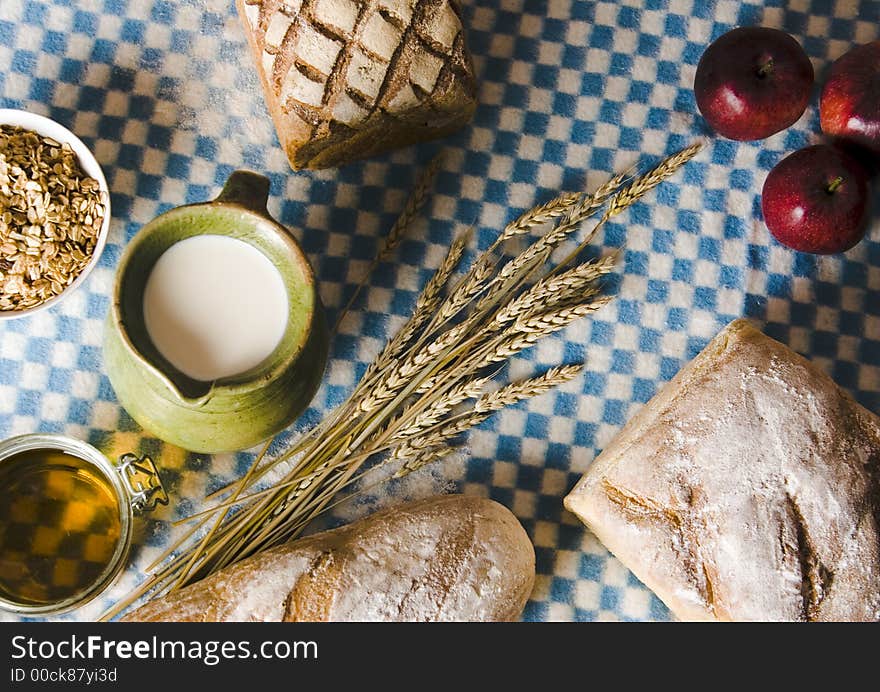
x,y
90,166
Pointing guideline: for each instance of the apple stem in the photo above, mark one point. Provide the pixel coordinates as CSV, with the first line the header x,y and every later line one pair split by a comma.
x,y
765,68
834,185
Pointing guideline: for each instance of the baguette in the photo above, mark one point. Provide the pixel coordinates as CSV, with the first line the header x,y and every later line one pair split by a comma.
x,y
445,558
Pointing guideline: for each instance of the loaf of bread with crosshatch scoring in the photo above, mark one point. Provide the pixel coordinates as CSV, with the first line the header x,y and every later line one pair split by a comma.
x,y
445,558
747,489
345,79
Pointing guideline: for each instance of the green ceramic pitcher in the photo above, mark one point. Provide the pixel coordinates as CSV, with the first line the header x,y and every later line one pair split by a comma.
x,y
232,413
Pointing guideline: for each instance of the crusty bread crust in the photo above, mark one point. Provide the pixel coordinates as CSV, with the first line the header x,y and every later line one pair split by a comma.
x,y
747,489
445,558
345,80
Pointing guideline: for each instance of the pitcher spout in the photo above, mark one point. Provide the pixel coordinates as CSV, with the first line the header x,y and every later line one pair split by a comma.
x,y
183,390
189,392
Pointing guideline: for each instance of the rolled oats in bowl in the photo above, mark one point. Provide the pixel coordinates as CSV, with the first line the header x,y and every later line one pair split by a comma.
x,y
52,217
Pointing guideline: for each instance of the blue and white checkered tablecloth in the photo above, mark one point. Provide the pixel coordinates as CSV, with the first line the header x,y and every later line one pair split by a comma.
x,y
165,93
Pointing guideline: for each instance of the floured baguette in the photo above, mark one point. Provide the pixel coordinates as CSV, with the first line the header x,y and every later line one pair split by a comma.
x,y
747,489
345,79
446,558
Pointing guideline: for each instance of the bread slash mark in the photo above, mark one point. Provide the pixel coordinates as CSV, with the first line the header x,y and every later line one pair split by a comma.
x,y
311,598
685,543
816,578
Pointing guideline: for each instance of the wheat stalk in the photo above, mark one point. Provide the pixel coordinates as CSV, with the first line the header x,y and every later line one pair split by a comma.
x,y
629,195
421,460
577,206
427,386
526,389
435,412
540,215
571,285
516,338
414,204
484,406
426,305
468,288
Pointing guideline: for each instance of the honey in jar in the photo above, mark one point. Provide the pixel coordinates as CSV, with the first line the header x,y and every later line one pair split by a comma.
x,y
60,526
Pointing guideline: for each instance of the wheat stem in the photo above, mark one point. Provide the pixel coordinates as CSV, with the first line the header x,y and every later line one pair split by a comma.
x,y
540,215
628,196
413,205
426,306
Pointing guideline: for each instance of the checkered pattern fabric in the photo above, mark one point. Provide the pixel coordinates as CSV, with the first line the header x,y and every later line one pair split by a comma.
x,y
165,94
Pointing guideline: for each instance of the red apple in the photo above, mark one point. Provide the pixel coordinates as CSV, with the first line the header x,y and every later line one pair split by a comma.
x,y
850,103
753,82
816,200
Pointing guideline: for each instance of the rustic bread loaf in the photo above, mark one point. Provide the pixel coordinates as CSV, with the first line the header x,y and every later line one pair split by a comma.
x,y
747,489
345,79
446,558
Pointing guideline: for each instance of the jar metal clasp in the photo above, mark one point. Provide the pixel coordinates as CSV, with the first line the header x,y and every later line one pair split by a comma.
x,y
141,479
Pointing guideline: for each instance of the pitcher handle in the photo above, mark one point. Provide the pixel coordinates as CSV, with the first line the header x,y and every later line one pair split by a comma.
x,y
248,189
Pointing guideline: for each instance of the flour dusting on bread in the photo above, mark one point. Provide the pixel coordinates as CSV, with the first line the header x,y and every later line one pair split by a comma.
x,y
746,490
445,558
